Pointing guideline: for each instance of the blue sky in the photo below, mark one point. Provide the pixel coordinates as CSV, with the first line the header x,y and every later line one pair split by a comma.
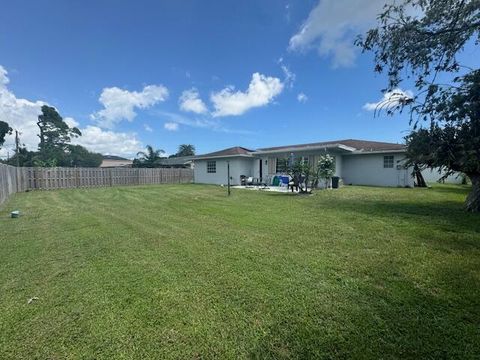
x,y
210,73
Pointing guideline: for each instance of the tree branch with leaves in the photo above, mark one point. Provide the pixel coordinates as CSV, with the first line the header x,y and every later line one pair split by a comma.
x,y
420,41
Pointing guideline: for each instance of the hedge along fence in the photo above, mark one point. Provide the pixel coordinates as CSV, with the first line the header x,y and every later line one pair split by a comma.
x,y
14,179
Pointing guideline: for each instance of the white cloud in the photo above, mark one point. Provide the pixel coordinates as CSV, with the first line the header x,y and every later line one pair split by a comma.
x,y
331,28
71,122
190,102
147,128
390,100
261,91
109,142
121,104
287,13
171,126
302,98
20,114
203,123
289,76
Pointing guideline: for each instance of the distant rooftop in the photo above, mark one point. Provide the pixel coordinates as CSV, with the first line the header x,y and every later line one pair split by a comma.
x,y
233,151
177,160
113,157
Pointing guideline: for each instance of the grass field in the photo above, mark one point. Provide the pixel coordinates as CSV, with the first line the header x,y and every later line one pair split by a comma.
x,y
183,272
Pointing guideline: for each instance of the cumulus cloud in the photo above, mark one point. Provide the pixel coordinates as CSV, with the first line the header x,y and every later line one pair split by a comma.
x,y
390,100
190,102
331,28
302,98
171,126
71,122
261,91
20,114
147,128
109,142
121,104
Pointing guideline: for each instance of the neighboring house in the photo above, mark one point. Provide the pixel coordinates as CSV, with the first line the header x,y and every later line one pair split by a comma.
x,y
212,168
115,161
358,162
185,162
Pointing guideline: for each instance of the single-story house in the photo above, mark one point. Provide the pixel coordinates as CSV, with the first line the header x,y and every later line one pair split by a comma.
x,y
111,161
358,162
184,162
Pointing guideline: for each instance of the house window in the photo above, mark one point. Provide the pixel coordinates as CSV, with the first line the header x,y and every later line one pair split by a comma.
x,y
281,166
211,167
304,159
388,161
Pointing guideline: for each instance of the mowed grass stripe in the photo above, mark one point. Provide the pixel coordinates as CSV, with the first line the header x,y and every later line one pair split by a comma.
x,y
183,271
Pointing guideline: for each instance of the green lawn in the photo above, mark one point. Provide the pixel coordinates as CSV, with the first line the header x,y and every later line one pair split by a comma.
x,y
184,272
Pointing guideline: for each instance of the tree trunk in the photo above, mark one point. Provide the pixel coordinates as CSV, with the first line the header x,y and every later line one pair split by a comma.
x,y
418,175
473,199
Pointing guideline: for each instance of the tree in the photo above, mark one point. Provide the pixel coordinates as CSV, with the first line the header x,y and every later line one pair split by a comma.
x,y
419,41
55,134
184,150
78,156
5,130
149,159
326,169
302,173
25,158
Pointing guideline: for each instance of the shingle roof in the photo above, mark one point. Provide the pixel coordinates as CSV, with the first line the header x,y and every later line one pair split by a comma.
x,y
359,145
233,151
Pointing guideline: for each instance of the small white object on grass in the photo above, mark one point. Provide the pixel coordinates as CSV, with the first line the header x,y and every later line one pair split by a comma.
x,y
32,300
15,213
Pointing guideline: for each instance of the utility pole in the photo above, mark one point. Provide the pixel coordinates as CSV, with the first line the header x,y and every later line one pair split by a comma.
x,y
17,153
17,148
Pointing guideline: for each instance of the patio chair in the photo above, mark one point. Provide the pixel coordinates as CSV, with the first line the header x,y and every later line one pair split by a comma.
x,y
243,180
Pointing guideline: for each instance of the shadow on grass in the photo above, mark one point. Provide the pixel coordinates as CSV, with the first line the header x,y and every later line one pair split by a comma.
x,y
442,211
387,315
451,189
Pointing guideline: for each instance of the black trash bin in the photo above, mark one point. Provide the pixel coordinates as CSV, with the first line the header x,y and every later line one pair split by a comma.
x,y
335,182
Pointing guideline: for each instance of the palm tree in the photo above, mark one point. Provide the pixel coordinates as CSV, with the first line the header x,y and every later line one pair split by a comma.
x,y
186,150
149,158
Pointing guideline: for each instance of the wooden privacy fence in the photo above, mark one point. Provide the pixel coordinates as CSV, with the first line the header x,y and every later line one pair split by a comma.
x,y
14,179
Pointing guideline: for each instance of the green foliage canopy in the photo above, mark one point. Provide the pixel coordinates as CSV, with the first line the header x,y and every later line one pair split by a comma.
x,y
420,41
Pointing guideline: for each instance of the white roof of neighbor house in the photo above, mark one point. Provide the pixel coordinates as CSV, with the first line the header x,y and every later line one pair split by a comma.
x,y
115,161
178,160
